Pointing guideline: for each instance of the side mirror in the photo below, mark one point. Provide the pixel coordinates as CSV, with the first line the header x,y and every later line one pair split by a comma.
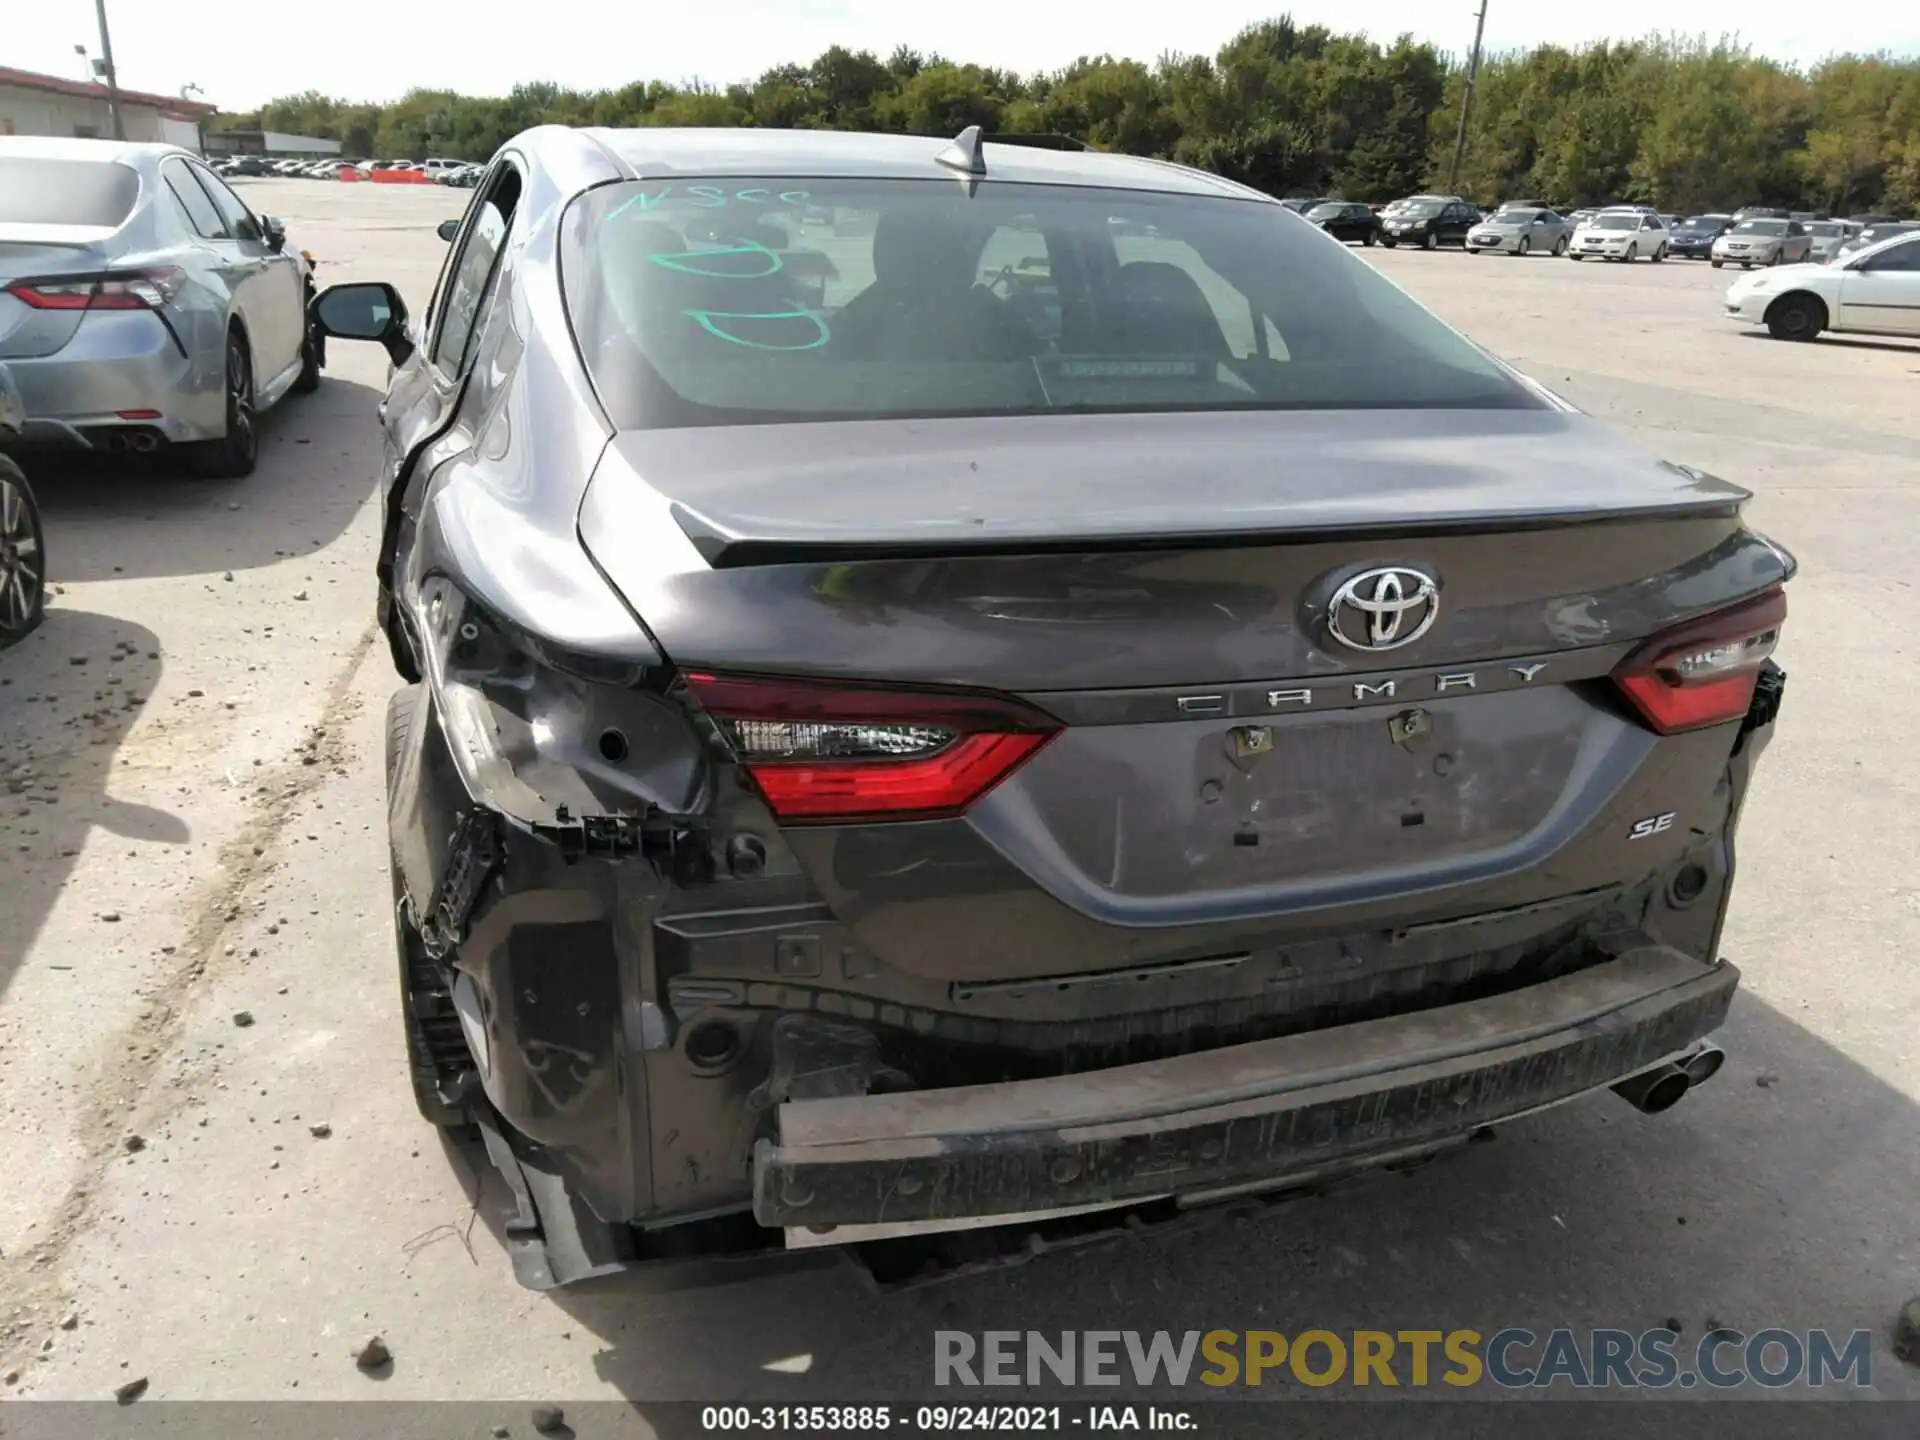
x,y
364,311
274,232
447,229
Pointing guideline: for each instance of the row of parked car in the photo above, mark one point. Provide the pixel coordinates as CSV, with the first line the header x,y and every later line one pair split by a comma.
x,y
1747,237
462,173
1858,275
145,309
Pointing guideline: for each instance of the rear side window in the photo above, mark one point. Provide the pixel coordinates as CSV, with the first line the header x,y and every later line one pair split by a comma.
x,y
767,300
234,214
36,191
193,198
469,286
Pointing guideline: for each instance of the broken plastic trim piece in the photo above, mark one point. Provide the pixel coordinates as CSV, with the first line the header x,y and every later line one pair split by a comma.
x,y
472,856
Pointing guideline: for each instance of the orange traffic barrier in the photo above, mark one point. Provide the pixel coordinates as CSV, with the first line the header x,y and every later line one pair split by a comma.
x,y
349,174
402,177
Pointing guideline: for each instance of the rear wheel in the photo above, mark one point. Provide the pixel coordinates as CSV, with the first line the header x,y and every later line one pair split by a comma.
x,y
23,568
1796,317
436,1046
234,454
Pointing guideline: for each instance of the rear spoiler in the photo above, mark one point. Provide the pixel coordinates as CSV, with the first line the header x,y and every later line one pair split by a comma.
x,y
731,549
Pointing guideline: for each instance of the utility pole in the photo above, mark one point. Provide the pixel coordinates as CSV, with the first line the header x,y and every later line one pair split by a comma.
x,y
1466,99
113,83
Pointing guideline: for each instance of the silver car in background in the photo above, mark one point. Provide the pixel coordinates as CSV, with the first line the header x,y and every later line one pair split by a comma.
x,y
143,305
1828,237
1763,240
1521,232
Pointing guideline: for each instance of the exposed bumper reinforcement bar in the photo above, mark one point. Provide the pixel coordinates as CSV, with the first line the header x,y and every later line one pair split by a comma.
x,y
1225,1117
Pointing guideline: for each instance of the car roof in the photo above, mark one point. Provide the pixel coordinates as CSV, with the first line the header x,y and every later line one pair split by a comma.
x,y
659,151
58,147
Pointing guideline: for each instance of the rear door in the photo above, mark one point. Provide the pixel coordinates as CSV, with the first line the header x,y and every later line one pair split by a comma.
x,y
276,290
222,258
1882,293
425,392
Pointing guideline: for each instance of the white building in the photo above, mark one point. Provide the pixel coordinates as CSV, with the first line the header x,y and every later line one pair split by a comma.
x,y
274,144
32,104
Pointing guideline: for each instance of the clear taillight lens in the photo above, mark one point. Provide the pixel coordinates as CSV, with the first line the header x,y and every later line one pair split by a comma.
x,y
833,752
1703,672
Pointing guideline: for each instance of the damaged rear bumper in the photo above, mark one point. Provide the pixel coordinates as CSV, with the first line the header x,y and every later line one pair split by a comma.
x,y
1214,1120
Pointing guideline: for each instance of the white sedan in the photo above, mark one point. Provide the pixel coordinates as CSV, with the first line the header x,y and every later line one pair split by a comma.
x,y
1875,291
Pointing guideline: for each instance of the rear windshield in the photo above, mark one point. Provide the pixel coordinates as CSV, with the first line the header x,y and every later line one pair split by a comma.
x,y
749,301
1761,227
37,191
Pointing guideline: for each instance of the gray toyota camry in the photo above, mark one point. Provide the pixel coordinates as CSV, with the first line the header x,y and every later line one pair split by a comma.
x,y
962,696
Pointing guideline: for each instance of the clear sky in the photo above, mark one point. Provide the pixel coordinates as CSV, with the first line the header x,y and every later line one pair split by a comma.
x,y
241,53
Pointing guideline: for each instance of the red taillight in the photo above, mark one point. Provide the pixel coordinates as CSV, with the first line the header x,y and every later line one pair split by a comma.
x,y
106,290
1703,672
827,751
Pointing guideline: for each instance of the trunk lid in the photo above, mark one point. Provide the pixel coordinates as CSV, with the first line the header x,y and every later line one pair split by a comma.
x,y
1163,585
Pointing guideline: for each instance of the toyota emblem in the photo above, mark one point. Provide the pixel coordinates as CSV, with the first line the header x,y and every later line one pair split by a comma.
x,y
1384,608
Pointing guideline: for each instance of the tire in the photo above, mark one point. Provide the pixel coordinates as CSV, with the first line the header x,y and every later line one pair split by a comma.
x,y
1430,241
1659,255
1526,244
1796,317
234,455
435,1042
1633,254
1773,260
1388,241
1560,246
23,558
313,354
1367,239
1576,258
1716,263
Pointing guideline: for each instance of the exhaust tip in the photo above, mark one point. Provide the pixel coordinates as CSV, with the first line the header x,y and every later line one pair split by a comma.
x,y
1656,1090
1704,1063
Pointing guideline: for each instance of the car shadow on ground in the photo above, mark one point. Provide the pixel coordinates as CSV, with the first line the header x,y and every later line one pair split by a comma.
x,y
1575,1217
1847,342
61,724
136,516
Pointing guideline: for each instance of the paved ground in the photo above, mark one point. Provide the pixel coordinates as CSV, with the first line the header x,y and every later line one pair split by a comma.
x,y
191,829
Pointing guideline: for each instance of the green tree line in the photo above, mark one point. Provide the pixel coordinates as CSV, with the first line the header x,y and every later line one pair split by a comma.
x,y
1686,124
